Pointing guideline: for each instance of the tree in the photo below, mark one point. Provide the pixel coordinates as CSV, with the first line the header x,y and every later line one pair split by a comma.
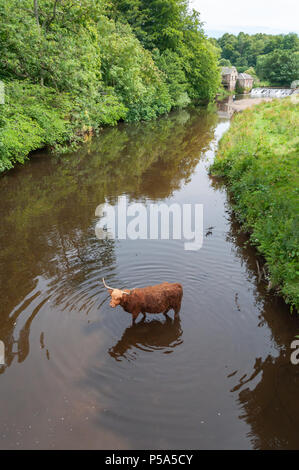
x,y
82,64
225,63
171,64
130,70
157,23
51,42
176,32
244,49
280,67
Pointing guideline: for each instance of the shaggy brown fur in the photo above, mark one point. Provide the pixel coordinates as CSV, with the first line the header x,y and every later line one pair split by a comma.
x,y
152,299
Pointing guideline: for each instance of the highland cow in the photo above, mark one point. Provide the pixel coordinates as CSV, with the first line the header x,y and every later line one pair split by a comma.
x,y
151,299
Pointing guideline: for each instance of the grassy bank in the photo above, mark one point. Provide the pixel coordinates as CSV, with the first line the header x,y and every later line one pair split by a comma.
x,y
259,159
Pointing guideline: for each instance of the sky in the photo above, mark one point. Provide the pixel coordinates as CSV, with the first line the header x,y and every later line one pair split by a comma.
x,y
250,16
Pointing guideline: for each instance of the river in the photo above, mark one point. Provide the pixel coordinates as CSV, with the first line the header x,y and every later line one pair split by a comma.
x,y
78,374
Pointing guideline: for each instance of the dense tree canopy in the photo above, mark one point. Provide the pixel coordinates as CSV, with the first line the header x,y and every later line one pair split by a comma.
x,y
244,49
274,57
187,58
103,60
158,23
280,67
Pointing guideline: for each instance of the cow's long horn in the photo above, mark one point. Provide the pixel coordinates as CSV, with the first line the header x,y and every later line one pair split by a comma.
x,y
107,287
112,288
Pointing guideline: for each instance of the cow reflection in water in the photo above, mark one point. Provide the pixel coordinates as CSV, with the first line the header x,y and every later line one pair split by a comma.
x,y
148,336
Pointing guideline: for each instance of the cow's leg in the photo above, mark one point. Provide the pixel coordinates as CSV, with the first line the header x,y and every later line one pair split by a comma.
x,y
165,312
177,309
134,317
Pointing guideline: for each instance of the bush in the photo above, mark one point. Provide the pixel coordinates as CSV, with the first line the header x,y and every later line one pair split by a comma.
x,y
34,116
258,156
31,118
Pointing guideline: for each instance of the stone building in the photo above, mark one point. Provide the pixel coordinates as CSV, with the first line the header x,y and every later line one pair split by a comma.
x,y
232,79
245,82
229,77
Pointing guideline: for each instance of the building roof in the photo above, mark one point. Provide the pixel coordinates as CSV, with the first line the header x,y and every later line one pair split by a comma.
x,y
228,70
245,76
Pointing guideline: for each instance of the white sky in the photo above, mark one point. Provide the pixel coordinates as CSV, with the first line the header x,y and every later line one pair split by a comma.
x,y
270,16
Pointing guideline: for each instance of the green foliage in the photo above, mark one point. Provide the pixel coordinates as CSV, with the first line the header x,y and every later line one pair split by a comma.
x,y
176,32
225,63
130,70
251,71
31,118
257,82
62,53
34,117
280,67
157,23
265,52
259,157
107,61
202,71
171,64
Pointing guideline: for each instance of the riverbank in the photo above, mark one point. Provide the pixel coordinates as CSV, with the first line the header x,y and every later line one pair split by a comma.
x,y
258,157
241,105
34,117
88,66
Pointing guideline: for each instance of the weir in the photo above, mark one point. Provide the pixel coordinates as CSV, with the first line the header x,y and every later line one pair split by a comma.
x,y
272,92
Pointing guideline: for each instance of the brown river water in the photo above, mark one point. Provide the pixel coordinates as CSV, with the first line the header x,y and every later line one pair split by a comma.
x,y
78,374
